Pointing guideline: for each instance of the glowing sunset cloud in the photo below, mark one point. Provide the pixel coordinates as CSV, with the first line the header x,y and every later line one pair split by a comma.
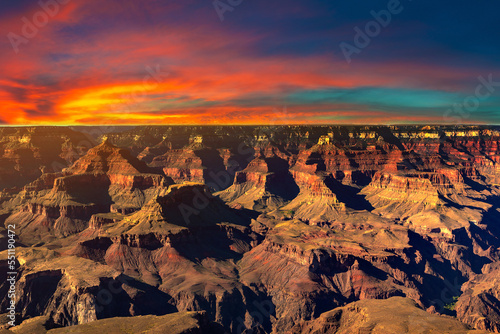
x,y
166,62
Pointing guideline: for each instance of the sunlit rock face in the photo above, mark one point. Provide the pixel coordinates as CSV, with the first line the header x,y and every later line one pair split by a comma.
x,y
290,229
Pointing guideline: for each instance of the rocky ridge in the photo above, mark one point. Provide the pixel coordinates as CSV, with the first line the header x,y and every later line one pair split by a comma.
x,y
313,219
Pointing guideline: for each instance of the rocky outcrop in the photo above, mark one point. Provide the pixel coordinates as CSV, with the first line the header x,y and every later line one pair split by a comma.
x,y
181,165
71,291
200,163
149,153
394,315
108,159
479,305
316,202
106,179
27,153
308,220
174,323
391,188
265,184
97,221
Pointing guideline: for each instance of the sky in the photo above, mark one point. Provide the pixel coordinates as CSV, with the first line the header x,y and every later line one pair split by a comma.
x,y
95,62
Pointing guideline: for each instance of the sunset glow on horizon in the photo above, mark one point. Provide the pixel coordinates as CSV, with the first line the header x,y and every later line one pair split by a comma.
x,y
166,62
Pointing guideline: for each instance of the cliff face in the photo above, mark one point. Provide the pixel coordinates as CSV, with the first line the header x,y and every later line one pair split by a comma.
x,y
479,305
180,165
106,179
63,289
317,201
265,184
394,315
175,323
364,259
264,230
200,163
401,194
26,153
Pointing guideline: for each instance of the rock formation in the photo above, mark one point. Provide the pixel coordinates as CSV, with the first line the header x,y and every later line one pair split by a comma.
x,y
479,305
293,229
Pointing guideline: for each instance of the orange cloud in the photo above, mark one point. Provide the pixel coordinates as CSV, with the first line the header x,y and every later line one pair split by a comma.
x,y
207,74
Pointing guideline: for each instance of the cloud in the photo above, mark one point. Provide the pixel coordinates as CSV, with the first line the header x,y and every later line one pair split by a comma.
x,y
96,61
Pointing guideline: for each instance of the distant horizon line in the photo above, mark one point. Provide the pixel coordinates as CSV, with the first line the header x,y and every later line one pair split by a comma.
x,y
245,125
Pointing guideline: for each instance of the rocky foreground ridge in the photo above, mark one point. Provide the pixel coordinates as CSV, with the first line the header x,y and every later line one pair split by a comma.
x,y
255,229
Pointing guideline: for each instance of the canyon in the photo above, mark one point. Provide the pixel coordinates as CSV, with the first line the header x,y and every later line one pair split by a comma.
x,y
252,229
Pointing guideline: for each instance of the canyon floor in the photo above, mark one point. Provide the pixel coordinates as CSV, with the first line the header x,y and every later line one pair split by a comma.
x,y
251,229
